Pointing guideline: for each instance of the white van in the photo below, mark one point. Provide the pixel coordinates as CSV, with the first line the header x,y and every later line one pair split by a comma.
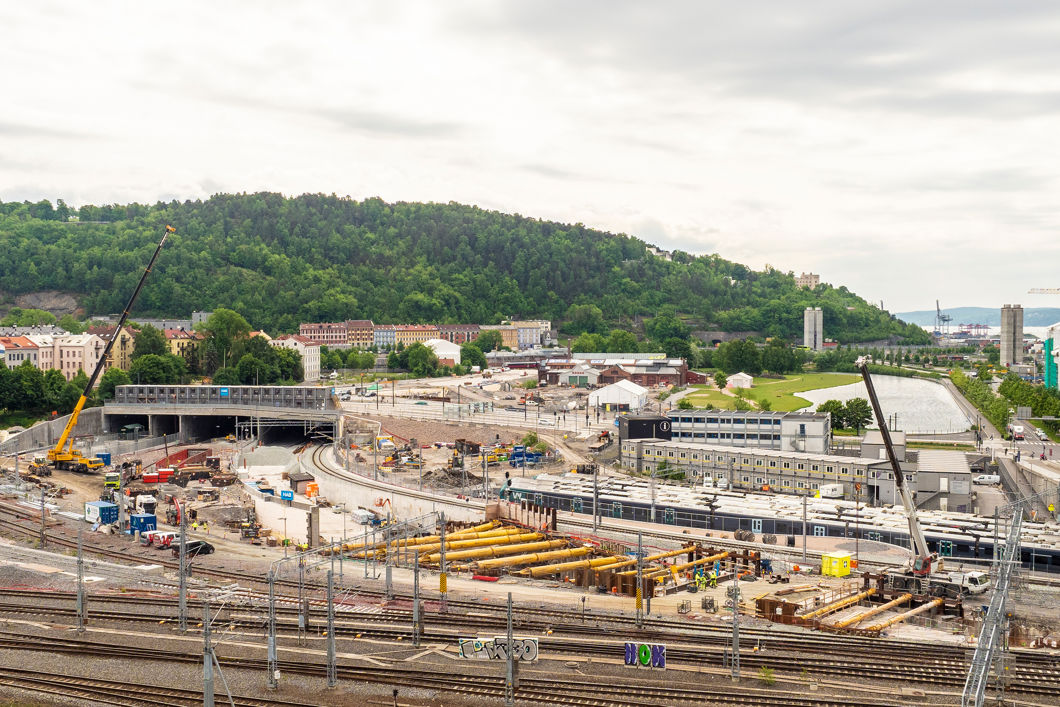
x,y
987,479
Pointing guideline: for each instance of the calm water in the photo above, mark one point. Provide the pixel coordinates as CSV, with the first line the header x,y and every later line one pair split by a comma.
x,y
921,406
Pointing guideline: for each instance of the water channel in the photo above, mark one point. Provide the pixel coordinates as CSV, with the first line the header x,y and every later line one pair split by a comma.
x,y
922,406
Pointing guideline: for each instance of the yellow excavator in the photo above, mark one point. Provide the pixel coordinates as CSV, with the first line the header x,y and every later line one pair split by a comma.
x,y
63,455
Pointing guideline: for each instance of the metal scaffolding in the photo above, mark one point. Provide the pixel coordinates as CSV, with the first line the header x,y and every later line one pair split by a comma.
x,y
995,624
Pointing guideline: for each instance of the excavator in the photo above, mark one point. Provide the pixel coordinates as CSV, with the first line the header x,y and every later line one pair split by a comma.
x,y
924,573
63,455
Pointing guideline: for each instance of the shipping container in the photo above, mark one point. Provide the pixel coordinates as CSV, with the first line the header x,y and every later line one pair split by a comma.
x,y
104,457
101,512
143,522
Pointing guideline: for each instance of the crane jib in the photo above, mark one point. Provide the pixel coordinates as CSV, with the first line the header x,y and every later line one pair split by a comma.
x,y
56,453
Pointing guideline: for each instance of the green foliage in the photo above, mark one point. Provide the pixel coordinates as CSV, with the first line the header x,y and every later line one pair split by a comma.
x,y
471,355
982,396
740,355
541,447
152,369
70,324
529,385
583,318
588,343
765,404
766,675
1043,402
419,359
740,404
620,341
281,261
226,376
26,392
17,316
685,404
720,379
530,439
839,413
993,354
489,340
857,413
112,378
149,341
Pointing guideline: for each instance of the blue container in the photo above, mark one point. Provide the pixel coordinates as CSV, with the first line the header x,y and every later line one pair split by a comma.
x,y
143,522
104,457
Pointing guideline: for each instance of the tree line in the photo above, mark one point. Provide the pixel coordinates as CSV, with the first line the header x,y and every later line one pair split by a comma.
x,y
282,261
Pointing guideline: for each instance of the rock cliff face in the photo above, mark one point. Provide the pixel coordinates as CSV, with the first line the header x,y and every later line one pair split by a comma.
x,y
58,303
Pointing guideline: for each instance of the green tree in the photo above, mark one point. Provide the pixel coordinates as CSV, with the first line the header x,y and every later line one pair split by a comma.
x,y
422,361
151,369
993,354
838,411
54,382
720,379
678,348
223,329
685,404
471,355
588,343
621,341
666,326
393,361
149,341
70,324
17,316
764,404
529,384
112,378
489,340
858,413
584,318
226,376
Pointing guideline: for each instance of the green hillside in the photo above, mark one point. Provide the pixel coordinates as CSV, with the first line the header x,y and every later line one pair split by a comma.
x,y
281,261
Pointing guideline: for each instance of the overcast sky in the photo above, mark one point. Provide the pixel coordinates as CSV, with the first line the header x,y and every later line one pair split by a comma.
x,y
904,149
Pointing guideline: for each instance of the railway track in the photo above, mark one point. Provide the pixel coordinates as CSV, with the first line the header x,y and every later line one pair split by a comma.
x,y
1038,678
586,692
120,693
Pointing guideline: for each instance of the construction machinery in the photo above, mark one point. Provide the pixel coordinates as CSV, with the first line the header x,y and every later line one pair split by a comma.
x,y
923,574
63,455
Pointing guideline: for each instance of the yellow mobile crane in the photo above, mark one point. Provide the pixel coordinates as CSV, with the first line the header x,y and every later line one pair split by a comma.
x,y
64,456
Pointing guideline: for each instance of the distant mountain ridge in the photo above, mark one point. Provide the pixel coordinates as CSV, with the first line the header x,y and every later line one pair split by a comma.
x,y
1033,316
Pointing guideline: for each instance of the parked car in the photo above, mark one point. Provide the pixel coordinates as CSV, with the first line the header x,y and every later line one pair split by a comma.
x,y
195,547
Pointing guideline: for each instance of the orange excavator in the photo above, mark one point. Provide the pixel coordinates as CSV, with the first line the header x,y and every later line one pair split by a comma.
x,y
63,455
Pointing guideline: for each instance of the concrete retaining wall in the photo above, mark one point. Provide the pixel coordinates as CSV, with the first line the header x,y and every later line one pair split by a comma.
x,y
46,434
361,492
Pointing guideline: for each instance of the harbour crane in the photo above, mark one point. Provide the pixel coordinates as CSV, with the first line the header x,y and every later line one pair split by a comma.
x,y
63,455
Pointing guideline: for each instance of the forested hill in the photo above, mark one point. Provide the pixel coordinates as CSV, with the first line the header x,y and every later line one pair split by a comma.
x,y
280,261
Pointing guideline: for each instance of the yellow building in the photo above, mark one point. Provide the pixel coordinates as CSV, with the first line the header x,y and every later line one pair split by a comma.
x,y
408,334
121,353
509,334
182,342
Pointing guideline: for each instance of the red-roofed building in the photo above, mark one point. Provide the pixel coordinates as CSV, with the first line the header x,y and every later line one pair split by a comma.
x,y
360,333
324,333
121,353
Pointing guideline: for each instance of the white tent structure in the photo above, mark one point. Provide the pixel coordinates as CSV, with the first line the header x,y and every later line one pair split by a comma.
x,y
623,393
444,350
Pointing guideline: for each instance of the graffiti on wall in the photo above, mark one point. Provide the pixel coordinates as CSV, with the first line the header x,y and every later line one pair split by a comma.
x,y
496,648
647,655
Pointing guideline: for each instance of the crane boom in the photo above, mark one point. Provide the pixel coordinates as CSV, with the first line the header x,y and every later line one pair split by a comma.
x,y
57,455
916,535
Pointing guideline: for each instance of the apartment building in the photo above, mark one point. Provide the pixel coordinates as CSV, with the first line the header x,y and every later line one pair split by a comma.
x,y
17,350
183,343
408,334
509,334
307,348
360,333
384,337
458,333
324,333
120,355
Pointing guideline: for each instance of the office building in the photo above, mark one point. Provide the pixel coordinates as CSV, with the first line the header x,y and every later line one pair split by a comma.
x,y
813,329
1011,334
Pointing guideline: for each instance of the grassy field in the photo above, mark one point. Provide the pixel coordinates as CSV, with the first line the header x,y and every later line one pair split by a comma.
x,y
779,392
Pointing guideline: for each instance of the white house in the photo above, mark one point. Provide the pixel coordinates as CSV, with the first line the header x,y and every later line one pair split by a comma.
x,y
447,352
739,380
622,395
309,350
